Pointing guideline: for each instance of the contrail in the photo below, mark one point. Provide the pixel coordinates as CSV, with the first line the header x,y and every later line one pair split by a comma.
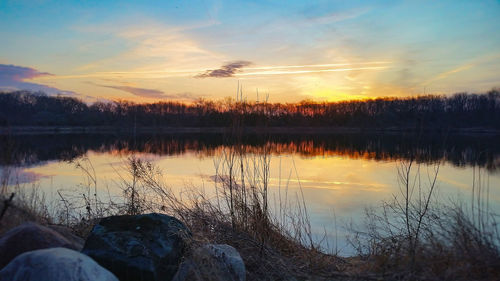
x,y
310,71
316,65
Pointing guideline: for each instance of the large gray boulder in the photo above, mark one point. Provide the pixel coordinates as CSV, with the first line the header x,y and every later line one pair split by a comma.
x,y
55,264
135,248
212,262
28,237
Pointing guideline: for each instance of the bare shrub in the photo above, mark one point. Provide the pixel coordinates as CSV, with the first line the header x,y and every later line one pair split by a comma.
x,y
414,238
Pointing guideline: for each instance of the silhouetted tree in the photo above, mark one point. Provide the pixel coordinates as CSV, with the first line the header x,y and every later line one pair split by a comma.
x,y
461,110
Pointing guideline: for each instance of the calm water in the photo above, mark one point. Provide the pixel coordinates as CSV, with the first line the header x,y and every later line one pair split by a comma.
x,y
340,175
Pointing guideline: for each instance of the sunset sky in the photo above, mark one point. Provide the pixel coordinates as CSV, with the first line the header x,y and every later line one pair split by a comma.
x,y
147,51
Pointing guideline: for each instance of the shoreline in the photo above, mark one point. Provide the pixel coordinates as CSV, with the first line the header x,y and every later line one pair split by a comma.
x,y
35,130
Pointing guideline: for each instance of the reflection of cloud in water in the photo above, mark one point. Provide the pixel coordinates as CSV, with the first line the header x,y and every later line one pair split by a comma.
x,y
19,176
333,185
306,183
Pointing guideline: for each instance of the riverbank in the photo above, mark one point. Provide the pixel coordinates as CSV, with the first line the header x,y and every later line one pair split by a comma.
x,y
265,253
29,130
276,257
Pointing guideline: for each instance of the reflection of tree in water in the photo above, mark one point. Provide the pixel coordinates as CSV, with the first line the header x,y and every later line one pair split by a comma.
x,y
460,150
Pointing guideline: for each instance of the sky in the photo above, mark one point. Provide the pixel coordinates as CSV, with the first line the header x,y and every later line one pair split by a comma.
x,y
282,51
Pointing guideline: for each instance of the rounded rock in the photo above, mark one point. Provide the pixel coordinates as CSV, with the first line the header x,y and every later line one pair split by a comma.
x,y
54,264
140,247
28,237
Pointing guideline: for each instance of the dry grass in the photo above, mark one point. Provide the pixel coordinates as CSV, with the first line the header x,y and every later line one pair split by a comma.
x,y
414,238
22,205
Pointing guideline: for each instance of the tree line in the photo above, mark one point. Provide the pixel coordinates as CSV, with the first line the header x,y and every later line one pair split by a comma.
x,y
462,110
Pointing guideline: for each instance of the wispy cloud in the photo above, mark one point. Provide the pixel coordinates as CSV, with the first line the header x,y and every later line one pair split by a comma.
x,y
338,16
13,77
149,93
169,46
445,74
141,92
287,72
318,65
227,70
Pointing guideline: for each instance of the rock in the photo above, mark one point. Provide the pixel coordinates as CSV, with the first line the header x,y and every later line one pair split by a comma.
x,y
28,237
142,247
54,264
212,262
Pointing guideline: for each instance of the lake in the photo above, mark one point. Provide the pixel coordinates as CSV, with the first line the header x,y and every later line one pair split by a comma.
x,y
337,175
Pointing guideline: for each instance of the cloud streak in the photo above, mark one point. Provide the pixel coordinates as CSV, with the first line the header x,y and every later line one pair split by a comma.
x,y
140,92
12,77
19,73
339,16
317,65
150,93
448,73
287,72
227,70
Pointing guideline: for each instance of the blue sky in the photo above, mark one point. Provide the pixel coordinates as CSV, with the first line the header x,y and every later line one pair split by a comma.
x,y
293,50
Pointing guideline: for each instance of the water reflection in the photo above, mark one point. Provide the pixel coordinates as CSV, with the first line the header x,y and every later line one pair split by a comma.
x,y
338,175
459,150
